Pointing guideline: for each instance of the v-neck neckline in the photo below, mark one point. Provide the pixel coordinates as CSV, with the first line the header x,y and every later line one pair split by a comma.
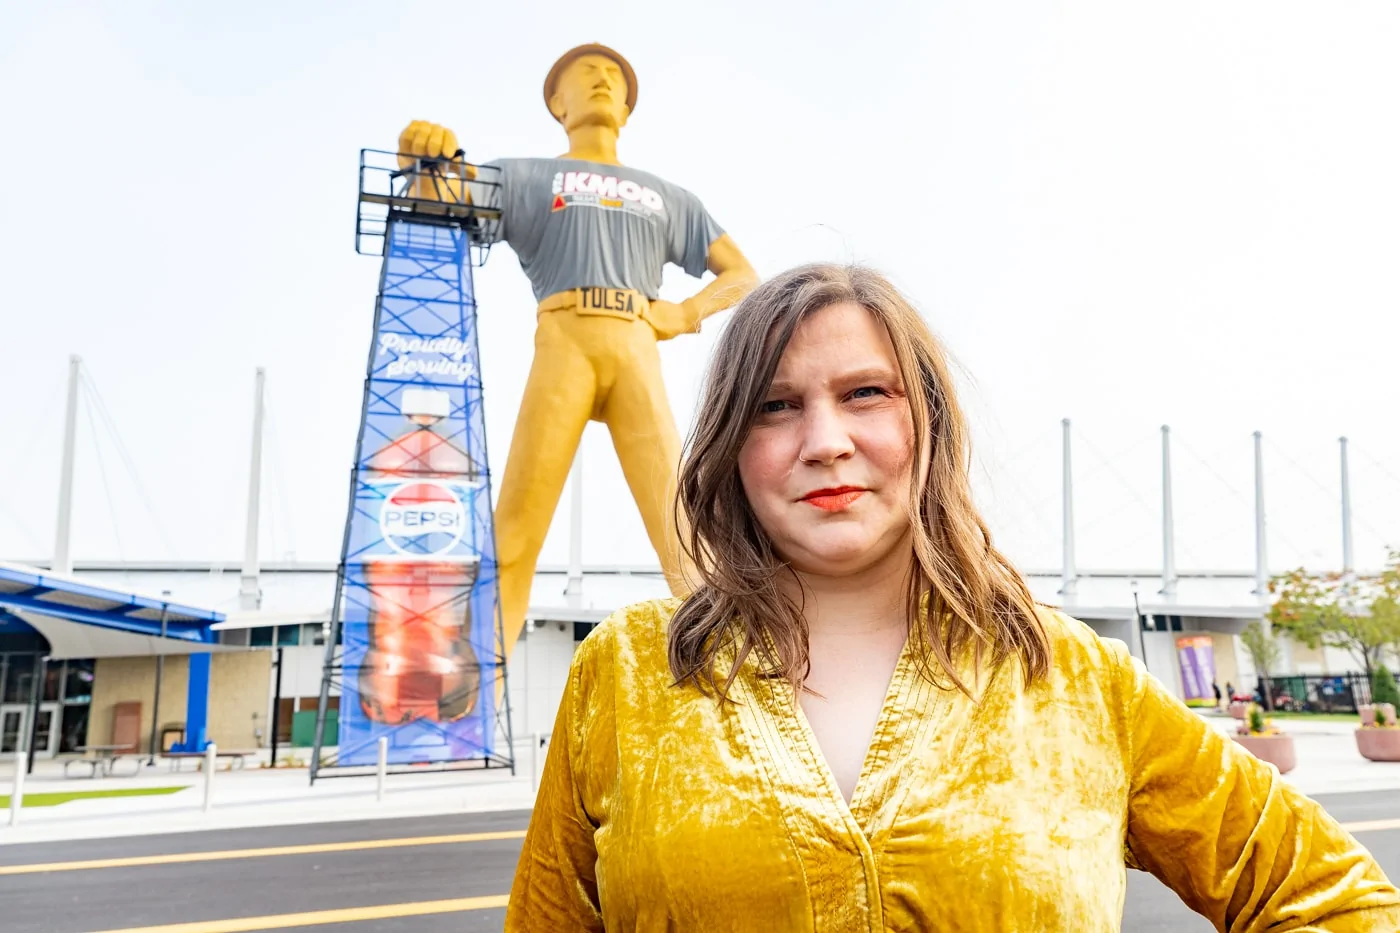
x,y
892,709
912,709
911,744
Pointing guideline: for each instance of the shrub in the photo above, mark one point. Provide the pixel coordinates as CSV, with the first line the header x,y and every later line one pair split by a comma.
x,y
1383,689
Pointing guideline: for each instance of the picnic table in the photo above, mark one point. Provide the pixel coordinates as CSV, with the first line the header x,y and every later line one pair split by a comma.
x,y
103,758
235,756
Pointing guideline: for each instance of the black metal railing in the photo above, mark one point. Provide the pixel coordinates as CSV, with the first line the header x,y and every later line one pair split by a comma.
x,y
426,191
1315,693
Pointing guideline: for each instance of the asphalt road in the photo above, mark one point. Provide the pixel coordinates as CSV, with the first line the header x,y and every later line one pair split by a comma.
x,y
180,891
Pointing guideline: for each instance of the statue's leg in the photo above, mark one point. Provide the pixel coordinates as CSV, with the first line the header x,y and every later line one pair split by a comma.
x,y
559,397
643,430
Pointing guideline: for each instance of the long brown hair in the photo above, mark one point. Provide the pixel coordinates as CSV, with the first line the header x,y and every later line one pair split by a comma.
x,y
963,593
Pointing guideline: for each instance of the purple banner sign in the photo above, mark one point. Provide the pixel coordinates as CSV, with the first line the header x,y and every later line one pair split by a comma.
x,y
1196,654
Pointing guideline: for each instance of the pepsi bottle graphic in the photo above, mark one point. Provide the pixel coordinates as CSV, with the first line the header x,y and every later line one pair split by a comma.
x,y
420,663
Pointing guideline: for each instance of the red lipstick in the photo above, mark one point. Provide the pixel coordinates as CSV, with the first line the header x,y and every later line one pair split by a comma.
x,y
835,499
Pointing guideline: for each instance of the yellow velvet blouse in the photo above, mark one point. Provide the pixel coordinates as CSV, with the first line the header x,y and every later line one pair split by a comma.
x,y
661,809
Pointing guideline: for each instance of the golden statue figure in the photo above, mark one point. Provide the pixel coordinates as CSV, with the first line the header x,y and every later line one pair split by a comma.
x,y
592,236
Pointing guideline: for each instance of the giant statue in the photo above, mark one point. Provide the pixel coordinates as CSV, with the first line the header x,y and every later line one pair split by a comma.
x,y
592,236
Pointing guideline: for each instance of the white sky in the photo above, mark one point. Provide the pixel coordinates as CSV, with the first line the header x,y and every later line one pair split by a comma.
x,y
1128,214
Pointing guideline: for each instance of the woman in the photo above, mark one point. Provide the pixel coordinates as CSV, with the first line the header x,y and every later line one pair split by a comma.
x,y
860,719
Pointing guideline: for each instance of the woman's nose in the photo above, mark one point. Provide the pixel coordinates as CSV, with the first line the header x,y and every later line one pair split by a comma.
x,y
825,438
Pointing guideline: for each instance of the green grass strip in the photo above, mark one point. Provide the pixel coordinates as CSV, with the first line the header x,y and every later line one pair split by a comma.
x,y
57,797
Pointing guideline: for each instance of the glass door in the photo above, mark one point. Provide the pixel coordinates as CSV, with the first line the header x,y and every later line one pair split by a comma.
x,y
14,729
13,719
47,735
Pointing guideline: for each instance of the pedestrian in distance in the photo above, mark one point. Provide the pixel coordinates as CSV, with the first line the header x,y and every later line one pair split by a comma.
x,y
860,719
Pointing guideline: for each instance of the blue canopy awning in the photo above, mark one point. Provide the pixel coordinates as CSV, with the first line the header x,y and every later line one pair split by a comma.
x,y
114,622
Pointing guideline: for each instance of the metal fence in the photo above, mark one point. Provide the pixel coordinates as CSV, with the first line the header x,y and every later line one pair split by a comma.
x,y
1316,693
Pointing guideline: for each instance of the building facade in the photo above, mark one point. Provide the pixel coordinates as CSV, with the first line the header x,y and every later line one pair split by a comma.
x,y
82,700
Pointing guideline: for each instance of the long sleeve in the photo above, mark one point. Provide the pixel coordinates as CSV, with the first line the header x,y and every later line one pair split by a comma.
x,y
555,881
1230,837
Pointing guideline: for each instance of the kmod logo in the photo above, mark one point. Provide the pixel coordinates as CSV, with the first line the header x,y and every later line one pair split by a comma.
x,y
422,518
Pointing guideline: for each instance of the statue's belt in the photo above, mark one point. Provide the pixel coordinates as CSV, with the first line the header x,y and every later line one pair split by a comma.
x,y
624,303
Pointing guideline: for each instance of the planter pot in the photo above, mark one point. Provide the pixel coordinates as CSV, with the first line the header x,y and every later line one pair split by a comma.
x,y
1238,710
1368,714
1378,744
1277,750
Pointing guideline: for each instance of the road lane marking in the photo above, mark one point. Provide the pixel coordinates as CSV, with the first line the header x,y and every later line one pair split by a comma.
x,y
312,849
318,917
416,909
365,845
1369,825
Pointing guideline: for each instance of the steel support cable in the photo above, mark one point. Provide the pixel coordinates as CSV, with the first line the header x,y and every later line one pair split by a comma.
x,y
1385,471
110,425
1270,525
33,439
102,472
1320,485
1036,508
1084,477
279,484
1007,479
1112,471
1374,462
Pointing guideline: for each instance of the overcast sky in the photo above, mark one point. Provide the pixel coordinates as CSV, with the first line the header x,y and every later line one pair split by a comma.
x,y
1128,214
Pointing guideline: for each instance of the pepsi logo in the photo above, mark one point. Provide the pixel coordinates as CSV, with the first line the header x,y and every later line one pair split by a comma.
x,y
422,518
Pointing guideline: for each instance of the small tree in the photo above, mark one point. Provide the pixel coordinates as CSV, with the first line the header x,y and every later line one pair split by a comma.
x,y
1383,688
1386,604
1264,652
1359,614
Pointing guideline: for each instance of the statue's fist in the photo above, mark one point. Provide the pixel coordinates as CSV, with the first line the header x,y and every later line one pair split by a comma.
x,y
670,319
424,140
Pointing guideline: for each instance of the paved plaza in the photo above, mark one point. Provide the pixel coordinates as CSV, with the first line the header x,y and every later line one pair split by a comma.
x,y
437,853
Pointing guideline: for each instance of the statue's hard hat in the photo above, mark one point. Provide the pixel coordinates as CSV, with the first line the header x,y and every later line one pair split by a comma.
x,y
592,48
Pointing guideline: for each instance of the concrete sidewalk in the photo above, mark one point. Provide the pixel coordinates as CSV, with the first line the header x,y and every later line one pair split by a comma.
x,y
1291,726
1328,762
254,797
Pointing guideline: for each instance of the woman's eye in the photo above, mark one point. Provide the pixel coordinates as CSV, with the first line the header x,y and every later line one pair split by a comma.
x,y
867,392
772,407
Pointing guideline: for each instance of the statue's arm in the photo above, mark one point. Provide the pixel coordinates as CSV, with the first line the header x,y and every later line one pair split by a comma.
x,y
734,278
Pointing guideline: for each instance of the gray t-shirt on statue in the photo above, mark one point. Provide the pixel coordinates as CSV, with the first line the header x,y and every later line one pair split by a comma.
x,y
577,224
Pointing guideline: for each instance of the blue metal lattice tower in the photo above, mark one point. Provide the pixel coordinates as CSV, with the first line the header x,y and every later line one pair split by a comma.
x,y
416,644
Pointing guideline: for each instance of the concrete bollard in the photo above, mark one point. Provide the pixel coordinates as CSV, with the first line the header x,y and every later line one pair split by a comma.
x,y
17,793
534,761
539,748
383,768
210,760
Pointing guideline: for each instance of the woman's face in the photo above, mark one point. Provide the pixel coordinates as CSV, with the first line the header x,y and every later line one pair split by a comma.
x,y
828,462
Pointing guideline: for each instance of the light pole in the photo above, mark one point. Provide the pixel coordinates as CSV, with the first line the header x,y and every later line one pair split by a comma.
x,y
160,671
